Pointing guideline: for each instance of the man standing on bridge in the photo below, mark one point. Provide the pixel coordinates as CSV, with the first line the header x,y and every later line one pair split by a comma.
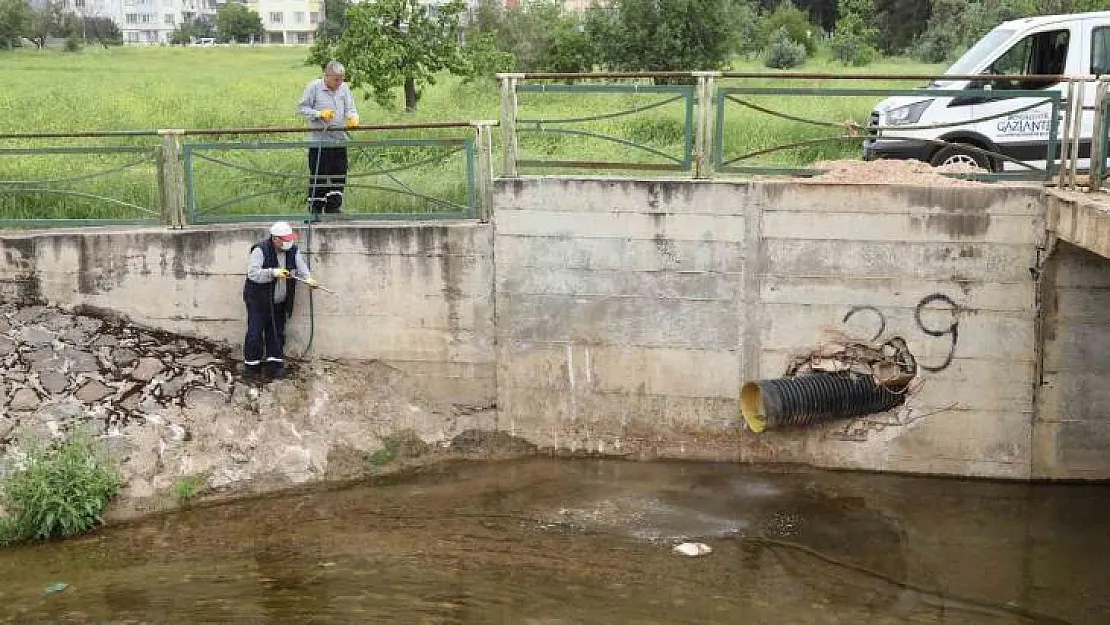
x,y
327,103
275,263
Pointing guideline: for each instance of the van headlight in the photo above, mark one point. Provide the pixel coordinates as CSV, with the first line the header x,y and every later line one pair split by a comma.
x,y
905,115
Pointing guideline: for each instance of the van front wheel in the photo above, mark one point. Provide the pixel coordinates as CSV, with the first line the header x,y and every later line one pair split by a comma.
x,y
956,155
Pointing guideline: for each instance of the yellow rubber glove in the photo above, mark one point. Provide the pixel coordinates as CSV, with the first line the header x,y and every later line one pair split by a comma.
x,y
352,121
311,282
326,115
281,273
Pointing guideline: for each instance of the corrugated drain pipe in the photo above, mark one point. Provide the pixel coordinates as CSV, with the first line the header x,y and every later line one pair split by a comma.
x,y
812,398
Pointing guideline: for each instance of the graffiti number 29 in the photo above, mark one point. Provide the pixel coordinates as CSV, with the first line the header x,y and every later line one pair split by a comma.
x,y
929,302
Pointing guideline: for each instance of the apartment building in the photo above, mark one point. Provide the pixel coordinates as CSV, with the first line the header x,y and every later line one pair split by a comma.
x,y
288,21
151,22
145,22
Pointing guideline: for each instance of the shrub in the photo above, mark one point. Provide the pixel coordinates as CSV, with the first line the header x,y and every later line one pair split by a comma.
x,y
187,488
851,44
59,491
486,60
568,51
851,50
784,53
794,22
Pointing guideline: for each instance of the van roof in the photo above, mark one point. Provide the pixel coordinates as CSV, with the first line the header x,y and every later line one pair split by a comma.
x,y
1041,20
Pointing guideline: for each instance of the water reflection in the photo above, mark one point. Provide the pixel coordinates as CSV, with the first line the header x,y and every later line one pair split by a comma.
x,y
550,541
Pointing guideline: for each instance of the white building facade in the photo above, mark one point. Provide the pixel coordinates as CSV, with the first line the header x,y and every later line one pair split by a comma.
x,y
148,22
288,21
152,22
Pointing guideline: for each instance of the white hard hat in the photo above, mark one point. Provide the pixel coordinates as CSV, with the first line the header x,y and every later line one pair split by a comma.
x,y
282,230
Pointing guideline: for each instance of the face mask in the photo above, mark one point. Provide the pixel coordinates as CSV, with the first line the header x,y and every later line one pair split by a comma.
x,y
286,246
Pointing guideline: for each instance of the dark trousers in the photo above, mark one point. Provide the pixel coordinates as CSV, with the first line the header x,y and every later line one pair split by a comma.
x,y
327,174
265,342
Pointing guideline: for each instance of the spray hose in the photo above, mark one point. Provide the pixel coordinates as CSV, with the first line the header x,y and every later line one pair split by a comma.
x,y
310,222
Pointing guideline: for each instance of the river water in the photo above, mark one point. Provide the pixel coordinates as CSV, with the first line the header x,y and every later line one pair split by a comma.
x,y
550,541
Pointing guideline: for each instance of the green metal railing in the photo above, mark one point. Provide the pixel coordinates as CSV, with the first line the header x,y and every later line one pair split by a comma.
x,y
79,185
178,177
864,131
658,159
386,179
440,170
713,132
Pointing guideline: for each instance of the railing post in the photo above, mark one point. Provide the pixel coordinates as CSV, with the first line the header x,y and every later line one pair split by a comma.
x,y
703,138
1065,137
508,123
1076,133
1098,137
483,139
172,178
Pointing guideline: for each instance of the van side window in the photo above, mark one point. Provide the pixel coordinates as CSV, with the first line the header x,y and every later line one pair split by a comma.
x,y
1100,51
1039,53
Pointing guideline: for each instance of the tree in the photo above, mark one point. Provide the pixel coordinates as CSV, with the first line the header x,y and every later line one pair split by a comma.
x,y
236,22
527,31
103,31
485,58
1048,7
50,21
15,21
956,24
569,50
335,20
662,35
853,43
201,27
540,36
746,28
397,43
783,52
900,22
796,25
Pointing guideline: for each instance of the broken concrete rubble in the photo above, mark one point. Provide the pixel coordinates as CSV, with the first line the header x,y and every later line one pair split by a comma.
x,y
890,364
168,407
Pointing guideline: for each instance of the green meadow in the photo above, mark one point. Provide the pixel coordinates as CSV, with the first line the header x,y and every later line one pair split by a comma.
x,y
395,171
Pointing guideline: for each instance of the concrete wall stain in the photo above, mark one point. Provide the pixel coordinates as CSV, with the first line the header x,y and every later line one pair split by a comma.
x,y
959,225
451,273
653,199
20,254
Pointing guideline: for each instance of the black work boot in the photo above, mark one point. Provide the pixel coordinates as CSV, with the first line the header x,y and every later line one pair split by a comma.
x,y
334,203
252,373
275,371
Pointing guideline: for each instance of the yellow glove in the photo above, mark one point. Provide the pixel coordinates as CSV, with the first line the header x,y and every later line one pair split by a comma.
x,y
352,121
311,282
281,273
326,115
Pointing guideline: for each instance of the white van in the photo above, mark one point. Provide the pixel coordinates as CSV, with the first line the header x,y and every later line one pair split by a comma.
x,y
1076,44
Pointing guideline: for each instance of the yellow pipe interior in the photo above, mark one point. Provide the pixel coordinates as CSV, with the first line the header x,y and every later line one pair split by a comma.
x,y
751,407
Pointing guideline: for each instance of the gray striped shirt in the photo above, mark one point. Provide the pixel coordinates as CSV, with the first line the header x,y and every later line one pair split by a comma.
x,y
318,97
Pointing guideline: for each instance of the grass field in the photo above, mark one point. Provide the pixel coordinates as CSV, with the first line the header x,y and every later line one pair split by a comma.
x,y
151,88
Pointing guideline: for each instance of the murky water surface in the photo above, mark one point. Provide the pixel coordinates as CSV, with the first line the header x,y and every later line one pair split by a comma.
x,y
547,541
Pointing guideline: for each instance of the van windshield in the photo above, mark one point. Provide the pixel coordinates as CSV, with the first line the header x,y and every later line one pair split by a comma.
x,y
974,57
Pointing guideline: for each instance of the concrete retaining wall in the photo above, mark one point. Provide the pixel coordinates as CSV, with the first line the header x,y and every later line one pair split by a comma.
x,y
630,313
620,316
414,295
1073,420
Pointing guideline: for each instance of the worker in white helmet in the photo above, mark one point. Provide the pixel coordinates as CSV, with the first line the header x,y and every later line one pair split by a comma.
x,y
268,293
